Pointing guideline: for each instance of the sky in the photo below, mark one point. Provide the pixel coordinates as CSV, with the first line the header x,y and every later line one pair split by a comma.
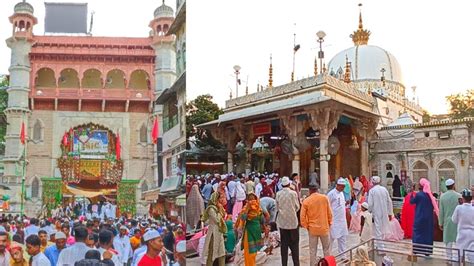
x,y
112,18
430,39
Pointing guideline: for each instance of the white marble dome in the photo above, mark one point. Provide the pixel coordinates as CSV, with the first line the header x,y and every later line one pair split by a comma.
x,y
164,11
366,63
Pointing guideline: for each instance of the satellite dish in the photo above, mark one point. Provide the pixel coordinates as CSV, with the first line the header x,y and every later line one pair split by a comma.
x,y
333,145
108,81
62,79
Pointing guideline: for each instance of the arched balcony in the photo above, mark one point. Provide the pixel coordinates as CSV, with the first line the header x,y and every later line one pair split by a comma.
x,y
139,80
46,78
115,79
92,79
68,79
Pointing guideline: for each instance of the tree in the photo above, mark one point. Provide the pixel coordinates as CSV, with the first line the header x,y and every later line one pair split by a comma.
x,y
3,106
199,111
426,117
462,104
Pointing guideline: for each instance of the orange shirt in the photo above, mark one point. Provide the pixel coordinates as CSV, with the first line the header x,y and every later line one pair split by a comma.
x,y
316,214
135,242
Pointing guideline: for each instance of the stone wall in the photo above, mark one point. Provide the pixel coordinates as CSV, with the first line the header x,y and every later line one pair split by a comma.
x,y
42,154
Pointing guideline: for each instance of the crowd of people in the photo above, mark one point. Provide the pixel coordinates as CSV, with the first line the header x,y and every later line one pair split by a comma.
x,y
243,218
70,237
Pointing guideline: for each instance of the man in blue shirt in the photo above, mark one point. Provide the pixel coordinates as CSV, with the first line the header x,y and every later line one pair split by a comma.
x,y
52,252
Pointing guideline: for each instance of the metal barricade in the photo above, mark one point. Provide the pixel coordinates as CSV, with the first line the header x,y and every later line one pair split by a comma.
x,y
407,253
468,257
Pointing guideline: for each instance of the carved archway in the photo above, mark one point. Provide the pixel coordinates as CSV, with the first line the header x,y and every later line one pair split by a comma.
x,y
90,157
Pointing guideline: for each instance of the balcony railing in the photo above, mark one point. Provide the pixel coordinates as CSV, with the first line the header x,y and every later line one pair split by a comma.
x,y
97,94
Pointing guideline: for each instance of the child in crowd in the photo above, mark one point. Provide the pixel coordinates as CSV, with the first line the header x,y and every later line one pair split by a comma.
x,y
365,223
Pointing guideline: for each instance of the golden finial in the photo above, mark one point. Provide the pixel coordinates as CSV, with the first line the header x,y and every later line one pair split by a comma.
x,y
324,68
347,74
315,66
258,87
361,36
230,95
292,76
247,90
270,74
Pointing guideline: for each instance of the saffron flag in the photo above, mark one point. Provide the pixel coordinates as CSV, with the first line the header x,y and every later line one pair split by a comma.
x,y
23,134
154,132
117,147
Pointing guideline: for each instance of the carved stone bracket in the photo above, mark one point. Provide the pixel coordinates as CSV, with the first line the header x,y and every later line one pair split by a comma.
x,y
325,120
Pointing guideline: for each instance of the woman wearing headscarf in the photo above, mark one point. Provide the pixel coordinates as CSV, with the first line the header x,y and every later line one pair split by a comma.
x,y
358,188
223,194
365,183
424,224
361,257
397,183
214,246
408,214
194,206
250,221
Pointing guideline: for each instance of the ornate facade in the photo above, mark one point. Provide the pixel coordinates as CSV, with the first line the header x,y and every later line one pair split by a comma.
x,y
65,88
325,122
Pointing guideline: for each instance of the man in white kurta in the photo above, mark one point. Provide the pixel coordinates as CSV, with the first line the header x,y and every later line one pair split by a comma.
x,y
463,216
339,223
380,205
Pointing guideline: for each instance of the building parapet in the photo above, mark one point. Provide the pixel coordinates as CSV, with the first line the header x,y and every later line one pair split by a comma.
x,y
294,87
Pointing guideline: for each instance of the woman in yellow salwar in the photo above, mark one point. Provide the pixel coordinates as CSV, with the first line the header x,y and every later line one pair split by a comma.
x,y
251,221
214,247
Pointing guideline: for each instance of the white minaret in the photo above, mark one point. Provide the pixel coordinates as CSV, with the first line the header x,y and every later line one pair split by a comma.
x,y
165,62
17,111
165,68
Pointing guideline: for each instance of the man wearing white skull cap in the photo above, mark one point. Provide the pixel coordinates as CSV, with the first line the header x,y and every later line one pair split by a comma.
x,y
338,228
447,204
380,205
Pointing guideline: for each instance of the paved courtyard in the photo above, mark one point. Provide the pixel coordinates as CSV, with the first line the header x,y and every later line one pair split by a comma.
x,y
353,240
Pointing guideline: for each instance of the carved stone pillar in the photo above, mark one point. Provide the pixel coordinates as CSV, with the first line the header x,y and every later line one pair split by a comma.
x,y
366,129
324,162
325,120
230,162
289,123
247,136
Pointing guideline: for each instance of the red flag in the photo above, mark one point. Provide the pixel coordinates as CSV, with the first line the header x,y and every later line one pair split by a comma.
x,y
117,147
23,133
154,132
65,139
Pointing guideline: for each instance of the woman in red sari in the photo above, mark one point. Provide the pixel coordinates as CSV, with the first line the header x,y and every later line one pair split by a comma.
x,y
365,183
407,217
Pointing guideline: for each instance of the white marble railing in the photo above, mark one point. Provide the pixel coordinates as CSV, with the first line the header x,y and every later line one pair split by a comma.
x,y
269,93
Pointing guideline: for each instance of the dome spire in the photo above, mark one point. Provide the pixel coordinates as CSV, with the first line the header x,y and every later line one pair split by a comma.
x,y
347,74
270,74
361,36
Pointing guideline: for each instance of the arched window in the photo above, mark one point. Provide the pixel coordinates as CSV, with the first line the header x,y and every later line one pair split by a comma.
x,y
115,79
37,131
144,186
21,26
92,79
143,134
35,188
68,79
158,30
447,170
139,80
45,78
165,28
420,170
